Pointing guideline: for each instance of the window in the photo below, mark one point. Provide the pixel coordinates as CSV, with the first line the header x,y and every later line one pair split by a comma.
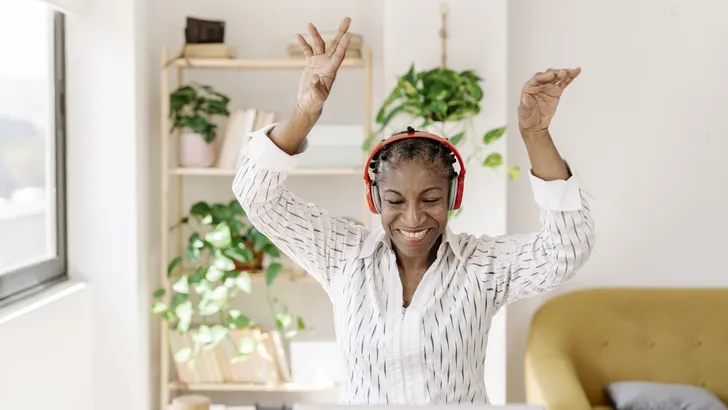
x,y
32,169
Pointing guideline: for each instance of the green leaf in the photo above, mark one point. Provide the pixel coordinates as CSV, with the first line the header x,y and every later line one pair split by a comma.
x,y
176,261
237,320
283,320
217,333
159,293
235,208
158,307
243,282
457,137
181,285
272,250
213,274
493,135
203,335
272,272
220,237
197,277
184,312
194,245
301,325
493,160
513,172
240,254
247,346
209,306
260,242
183,355
224,263
178,299
200,210
393,114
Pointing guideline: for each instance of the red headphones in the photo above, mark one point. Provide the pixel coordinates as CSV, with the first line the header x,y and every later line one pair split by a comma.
x,y
456,186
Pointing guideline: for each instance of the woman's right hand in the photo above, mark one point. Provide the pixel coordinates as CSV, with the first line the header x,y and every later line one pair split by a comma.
x,y
321,67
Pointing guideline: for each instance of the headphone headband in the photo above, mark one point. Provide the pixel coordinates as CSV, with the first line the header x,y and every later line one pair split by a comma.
x,y
411,133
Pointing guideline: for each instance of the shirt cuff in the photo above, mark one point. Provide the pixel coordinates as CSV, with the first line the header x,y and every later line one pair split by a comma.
x,y
559,195
265,154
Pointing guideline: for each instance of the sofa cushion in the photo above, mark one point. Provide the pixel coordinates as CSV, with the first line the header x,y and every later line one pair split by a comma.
x,y
642,395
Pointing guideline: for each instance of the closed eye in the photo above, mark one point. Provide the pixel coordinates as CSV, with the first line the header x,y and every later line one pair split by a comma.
x,y
394,202
431,201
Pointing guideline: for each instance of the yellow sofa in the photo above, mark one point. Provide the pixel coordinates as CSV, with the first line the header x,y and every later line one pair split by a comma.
x,y
582,341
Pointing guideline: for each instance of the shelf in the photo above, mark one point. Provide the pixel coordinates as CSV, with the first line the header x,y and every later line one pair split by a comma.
x,y
286,387
217,172
283,277
252,64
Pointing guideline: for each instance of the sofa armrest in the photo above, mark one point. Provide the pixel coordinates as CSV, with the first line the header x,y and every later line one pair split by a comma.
x,y
551,381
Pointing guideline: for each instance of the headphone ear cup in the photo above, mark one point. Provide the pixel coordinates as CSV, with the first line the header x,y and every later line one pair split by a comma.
x,y
453,194
375,198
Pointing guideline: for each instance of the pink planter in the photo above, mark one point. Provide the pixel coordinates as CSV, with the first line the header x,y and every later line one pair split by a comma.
x,y
194,152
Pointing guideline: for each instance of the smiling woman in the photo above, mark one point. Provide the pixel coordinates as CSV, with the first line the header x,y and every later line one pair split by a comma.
x,y
412,300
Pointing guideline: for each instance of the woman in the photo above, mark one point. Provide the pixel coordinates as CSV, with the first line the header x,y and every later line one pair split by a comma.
x,y
412,300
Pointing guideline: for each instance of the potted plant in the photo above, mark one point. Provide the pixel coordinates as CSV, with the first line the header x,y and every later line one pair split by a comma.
x,y
191,109
212,273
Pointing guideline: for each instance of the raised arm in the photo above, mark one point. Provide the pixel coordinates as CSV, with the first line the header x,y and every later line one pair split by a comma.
x,y
310,236
525,265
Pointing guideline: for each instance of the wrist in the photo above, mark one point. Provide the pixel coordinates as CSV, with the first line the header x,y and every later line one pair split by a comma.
x,y
538,134
307,113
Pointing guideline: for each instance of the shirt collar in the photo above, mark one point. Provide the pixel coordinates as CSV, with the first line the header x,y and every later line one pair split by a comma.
x,y
378,237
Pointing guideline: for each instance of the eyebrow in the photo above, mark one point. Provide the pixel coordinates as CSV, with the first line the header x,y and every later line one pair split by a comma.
x,y
425,191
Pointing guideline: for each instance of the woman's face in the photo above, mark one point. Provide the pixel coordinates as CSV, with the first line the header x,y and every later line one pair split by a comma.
x,y
414,206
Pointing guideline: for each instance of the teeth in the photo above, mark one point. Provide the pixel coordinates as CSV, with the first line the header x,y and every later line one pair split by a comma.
x,y
414,235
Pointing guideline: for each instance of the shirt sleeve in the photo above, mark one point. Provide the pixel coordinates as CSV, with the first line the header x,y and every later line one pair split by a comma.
x,y
313,238
531,264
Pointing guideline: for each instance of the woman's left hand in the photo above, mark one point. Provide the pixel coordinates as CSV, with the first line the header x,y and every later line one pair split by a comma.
x,y
539,99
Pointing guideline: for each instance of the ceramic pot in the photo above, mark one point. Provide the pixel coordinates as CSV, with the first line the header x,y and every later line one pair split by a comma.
x,y
194,152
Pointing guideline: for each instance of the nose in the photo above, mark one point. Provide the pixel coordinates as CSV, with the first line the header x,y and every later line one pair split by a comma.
x,y
413,216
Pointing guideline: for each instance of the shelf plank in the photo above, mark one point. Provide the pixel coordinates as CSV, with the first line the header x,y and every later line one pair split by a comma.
x,y
283,277
286,387
252,64
213,172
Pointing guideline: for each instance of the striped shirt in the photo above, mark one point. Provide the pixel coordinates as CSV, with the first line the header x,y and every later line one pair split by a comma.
x,y
433,351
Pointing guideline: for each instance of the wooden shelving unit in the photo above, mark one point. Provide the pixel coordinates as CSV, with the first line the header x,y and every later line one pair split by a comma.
x,y
172,173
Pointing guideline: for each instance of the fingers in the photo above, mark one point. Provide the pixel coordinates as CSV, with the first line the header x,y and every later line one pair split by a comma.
x,y
338,57
343,28
561,77
319,46
307,50
571,75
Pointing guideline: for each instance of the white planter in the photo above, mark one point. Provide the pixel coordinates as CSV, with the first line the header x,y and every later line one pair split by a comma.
x,y
194,152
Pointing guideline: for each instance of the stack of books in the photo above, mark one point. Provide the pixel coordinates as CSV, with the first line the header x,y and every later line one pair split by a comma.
x,y
241,122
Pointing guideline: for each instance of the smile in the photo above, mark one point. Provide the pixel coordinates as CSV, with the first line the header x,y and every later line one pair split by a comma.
x,y
414,237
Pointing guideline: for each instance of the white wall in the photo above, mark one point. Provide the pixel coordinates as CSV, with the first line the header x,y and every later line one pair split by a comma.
x,y
644,126
107,193
45,356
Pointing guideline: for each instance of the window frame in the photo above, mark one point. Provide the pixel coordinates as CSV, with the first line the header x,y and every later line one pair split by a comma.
x,y
34,278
